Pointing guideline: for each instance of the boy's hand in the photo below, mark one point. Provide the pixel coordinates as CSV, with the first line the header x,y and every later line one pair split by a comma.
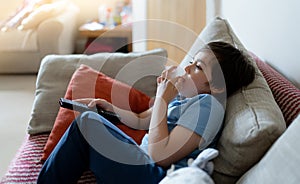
x,y
92,102
168,84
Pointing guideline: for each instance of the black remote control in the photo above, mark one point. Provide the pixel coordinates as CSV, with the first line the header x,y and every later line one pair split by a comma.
x,y
80,107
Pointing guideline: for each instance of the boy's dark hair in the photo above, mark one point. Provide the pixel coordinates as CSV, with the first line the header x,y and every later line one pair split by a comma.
x,y
237,69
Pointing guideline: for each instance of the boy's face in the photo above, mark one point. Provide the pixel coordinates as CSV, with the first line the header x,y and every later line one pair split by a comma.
x,y
197,76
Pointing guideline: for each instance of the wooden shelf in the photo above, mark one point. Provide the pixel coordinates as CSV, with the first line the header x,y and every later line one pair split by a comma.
x,y
107,32
96,33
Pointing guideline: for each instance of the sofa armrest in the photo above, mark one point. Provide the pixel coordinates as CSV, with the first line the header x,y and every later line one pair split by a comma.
x,y
56,35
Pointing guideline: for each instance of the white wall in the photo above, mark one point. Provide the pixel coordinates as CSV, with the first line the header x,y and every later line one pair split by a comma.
x,y
269,28
139,27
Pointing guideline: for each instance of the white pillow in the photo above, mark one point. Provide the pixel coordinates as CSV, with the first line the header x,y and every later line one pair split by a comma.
x,y
281,163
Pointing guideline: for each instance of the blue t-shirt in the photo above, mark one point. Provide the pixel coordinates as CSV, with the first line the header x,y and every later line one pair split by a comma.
x,y
202,114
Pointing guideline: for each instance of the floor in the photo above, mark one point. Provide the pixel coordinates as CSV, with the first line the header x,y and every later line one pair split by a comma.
x,y
16,99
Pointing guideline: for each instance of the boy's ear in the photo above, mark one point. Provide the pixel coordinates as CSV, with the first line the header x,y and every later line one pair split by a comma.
x,y
215,90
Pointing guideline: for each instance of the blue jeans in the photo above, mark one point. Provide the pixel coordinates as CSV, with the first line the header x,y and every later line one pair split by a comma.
x,y
92,142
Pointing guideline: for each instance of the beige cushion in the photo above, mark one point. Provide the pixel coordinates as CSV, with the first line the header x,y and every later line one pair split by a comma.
x,y
281,163
253,120
137,69
15,40
42,13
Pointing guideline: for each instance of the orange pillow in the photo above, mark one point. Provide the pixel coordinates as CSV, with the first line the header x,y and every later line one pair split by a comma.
x,y
89,83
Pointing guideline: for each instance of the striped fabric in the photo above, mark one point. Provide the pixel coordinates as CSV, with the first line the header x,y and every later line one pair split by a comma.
x,y
285,93
26,165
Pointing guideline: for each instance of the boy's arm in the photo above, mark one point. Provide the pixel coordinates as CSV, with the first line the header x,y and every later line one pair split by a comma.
x,y
139,121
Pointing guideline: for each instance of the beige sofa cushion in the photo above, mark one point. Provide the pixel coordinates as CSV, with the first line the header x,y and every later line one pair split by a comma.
x,y
42,13
136,69
20,41
281,163
253,120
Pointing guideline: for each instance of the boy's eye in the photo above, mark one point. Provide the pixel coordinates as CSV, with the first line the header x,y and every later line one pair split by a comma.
x,y
198,65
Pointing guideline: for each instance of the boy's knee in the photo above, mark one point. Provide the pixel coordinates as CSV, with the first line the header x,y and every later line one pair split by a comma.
x,y
88,115
84,119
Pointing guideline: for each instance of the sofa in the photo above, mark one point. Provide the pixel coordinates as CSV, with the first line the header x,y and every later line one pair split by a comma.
x,y
49,28
258,143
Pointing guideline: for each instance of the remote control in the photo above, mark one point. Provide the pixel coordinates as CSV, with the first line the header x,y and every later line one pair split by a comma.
x,y
80,107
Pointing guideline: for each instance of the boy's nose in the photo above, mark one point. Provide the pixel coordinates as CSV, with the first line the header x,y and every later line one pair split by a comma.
x,y
187,68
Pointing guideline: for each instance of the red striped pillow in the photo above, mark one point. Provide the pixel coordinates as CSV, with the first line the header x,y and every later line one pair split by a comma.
x,y
285,93
89,83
